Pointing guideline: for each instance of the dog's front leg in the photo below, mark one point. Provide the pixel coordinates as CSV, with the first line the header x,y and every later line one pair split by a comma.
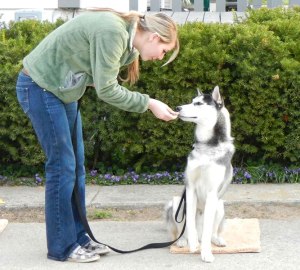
x,y
218,225
208,221
191,206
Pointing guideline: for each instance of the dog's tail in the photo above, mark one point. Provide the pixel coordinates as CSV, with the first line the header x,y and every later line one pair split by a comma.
x,y
170,222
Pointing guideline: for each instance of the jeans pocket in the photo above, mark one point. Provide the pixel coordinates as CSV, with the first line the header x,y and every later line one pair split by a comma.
x,y
22,95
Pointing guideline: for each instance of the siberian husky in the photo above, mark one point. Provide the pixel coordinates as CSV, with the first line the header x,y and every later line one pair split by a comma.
x,y
207,175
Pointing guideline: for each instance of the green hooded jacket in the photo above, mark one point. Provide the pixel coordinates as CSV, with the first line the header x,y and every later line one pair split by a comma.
x,y
89,49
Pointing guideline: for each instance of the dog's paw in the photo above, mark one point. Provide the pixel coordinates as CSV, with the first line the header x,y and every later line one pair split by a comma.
x,y
182,242
194,246
218,241
207,256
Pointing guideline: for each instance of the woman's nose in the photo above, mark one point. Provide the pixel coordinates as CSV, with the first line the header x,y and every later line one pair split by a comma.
x,y
161,57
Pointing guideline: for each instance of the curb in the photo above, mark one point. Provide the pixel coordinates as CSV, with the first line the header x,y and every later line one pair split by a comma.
x,y
141,205
3,224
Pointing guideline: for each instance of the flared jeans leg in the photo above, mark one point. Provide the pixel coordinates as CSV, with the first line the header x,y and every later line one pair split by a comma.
x,y
53,122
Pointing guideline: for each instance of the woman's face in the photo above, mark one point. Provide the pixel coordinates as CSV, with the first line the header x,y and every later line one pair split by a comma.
x,y
153,48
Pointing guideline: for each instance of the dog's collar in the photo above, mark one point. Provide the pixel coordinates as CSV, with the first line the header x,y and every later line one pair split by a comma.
x,y
197,145
212,142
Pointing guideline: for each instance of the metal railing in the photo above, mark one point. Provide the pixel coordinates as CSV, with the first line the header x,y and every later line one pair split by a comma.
x,y
221,5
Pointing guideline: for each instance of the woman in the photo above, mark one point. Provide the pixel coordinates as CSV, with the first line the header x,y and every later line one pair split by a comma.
x,y
87,50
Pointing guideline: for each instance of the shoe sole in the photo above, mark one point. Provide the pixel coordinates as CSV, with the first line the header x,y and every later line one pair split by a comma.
x,y
87,260
103,253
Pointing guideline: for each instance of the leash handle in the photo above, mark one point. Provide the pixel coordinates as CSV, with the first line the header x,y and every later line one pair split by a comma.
x,y
83,217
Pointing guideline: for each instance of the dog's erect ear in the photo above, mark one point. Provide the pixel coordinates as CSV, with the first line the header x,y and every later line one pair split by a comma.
x,y
199,92
217,96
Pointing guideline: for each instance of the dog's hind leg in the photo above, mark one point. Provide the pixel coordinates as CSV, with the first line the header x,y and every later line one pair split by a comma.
x,y
182,241
191,208
218,225
170,222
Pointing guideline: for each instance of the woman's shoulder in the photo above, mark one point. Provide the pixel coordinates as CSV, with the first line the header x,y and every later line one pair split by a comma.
x,y
101,20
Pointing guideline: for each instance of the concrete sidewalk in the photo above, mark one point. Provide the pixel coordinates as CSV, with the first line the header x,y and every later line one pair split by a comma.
x,y
138,196
23,245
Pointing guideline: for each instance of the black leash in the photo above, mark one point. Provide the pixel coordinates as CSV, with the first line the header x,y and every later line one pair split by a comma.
x,y
86,224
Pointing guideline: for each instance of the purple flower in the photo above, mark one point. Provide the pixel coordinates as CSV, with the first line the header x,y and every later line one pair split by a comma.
x,y
235,171
93,173
107,176
166,174
3,178
247,175
117,178
38,179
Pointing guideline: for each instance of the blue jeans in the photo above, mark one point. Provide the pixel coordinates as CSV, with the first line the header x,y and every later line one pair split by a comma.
x,y
53,122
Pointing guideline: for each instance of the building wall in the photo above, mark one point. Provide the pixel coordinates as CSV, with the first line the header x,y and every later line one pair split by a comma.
x,y
49,8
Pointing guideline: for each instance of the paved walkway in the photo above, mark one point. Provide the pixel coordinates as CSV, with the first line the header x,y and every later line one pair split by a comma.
x,y
23,245
137,196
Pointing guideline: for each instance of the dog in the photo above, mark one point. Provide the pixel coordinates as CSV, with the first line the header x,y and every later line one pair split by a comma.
x,y
207,175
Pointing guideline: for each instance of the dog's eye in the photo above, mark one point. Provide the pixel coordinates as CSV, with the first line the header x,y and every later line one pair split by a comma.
x,y
197,103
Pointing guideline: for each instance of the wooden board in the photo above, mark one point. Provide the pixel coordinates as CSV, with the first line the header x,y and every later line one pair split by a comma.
x,y
241,236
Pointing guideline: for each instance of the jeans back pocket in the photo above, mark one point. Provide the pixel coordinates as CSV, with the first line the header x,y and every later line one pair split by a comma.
x,y
22,89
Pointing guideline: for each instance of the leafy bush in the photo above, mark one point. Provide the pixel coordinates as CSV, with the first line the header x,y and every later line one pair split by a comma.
x,y
18,143
256,63
289,33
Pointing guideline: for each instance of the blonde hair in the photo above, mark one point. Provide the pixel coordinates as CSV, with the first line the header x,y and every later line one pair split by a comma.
x,y
159,23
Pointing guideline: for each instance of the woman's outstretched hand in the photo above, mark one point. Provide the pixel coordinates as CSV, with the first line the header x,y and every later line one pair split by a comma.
x,y
161,110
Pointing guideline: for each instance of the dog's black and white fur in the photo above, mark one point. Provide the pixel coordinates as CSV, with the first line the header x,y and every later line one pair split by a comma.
x,y
207,175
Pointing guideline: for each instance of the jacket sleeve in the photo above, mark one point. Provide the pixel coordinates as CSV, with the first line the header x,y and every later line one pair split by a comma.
x,y
106,51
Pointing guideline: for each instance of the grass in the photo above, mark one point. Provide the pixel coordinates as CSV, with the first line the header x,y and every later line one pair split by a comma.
x,y
101,214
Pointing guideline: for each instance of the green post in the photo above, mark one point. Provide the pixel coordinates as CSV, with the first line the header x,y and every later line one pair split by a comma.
x,y
206,5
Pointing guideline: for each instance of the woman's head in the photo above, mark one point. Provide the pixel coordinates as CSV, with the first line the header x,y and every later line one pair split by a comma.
x,y
161,35
157,35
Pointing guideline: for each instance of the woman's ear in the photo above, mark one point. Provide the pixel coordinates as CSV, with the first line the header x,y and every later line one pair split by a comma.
x,y
153,37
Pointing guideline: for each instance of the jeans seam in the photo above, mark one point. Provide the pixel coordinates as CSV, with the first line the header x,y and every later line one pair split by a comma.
x,y
59,169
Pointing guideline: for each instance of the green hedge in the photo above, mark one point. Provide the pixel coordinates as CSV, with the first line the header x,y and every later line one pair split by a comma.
x,y
18,144
256,63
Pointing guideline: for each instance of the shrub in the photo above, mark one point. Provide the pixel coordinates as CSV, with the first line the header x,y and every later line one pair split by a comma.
x,y
18,143
255,63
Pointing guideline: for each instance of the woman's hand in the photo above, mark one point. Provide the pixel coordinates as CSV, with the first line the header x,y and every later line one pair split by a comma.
x,y
161,110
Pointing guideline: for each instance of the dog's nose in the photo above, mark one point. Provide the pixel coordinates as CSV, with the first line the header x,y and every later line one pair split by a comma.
x,y
178,109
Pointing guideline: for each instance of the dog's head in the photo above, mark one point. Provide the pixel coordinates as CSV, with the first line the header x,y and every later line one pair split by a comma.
x,y
203,109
